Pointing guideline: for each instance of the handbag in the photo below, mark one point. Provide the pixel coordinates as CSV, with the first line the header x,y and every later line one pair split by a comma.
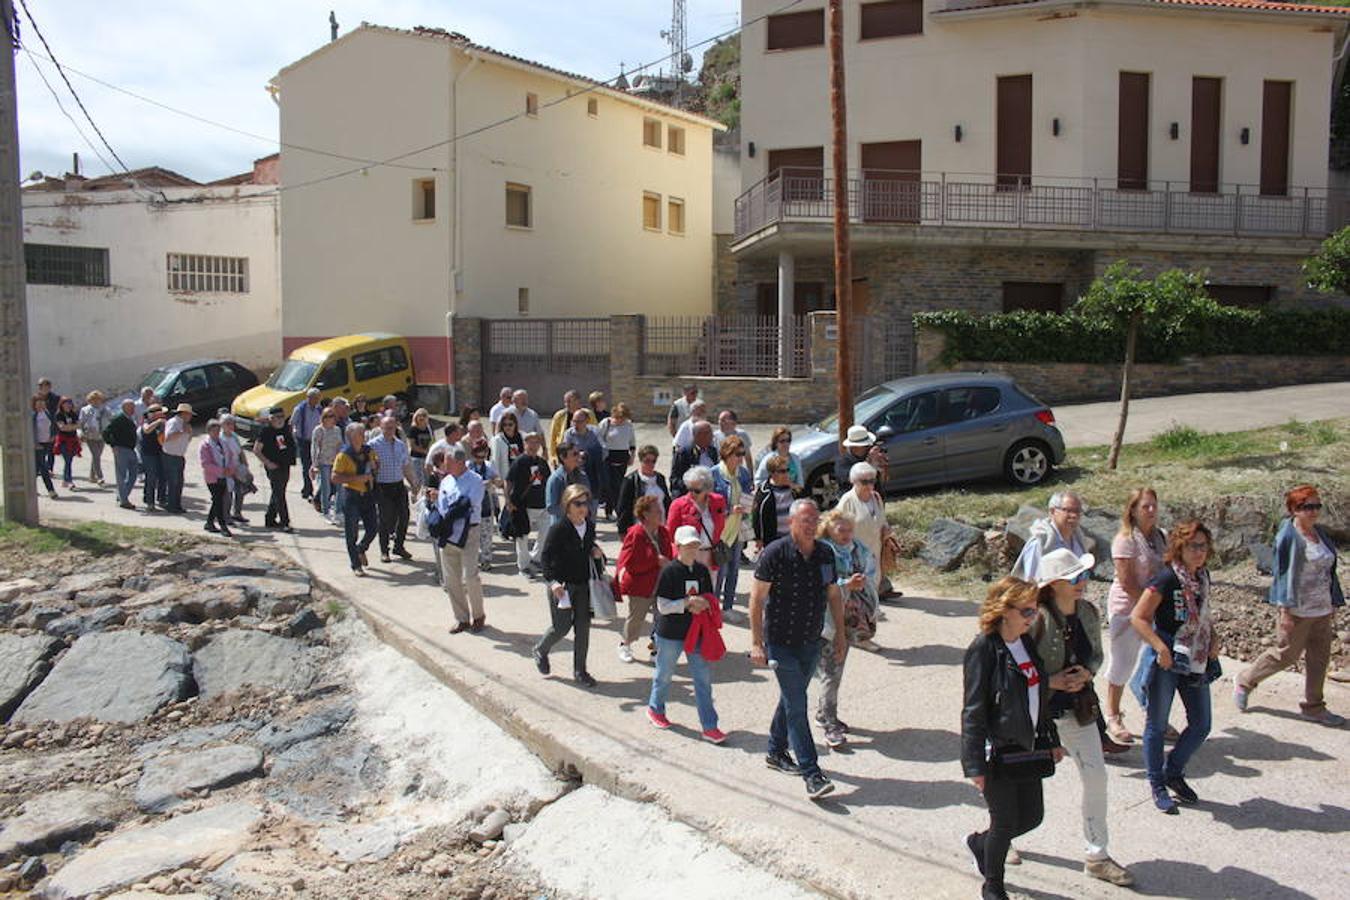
x,y
602,595
719,552
1021,765
506,523
1086,706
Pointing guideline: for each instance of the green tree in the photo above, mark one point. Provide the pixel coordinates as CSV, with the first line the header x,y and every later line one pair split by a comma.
x,y
1173,302
1329,270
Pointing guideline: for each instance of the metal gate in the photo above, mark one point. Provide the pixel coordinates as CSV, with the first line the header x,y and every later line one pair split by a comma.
x,y
883,349
545,357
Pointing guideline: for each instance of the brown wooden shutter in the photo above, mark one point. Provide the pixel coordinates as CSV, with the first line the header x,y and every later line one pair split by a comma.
x,y
1132,142
1014,131
1276,102
1206,99
891,181
891,18
803,29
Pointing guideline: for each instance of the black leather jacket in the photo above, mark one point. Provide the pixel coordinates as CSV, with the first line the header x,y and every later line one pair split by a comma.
x,y
996,703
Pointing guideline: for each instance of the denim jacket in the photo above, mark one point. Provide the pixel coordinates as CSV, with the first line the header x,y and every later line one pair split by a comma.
x,y
1289,564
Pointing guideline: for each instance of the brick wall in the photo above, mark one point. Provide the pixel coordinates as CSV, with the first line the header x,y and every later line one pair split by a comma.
x,y
469,363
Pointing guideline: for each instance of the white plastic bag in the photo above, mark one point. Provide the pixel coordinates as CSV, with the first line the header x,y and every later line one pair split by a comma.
x,y
419,512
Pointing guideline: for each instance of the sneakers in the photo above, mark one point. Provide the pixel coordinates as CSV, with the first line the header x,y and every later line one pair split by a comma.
x,y
625,653
1163,800
714,735
657,719
973,845
1241,696
584,679
478,624
1013,858
869,645
782,761
1116,730
540,661
1325,717
1183,790
817,785
835,737
1110,871
402,554
1112,746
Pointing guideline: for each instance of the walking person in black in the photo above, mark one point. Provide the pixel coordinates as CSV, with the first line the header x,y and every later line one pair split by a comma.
x,y
569,549
1008,739
275,447
525,481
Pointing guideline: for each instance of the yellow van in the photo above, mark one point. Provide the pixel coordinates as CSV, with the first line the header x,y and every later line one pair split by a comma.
x,y
375,364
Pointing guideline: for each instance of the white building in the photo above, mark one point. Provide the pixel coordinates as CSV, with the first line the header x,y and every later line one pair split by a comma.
x,y
124,277
532,194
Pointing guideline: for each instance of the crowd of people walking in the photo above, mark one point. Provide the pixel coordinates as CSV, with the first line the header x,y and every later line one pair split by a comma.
x,y
818,578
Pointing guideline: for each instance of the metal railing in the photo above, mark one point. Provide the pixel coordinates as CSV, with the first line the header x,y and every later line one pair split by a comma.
x,y
724,346
1035,202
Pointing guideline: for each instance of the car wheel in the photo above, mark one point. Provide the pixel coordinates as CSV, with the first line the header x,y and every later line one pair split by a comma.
x,y
1027,463
823,488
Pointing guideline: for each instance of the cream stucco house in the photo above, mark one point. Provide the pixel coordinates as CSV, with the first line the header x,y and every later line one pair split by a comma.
x,y
511,194
1002,154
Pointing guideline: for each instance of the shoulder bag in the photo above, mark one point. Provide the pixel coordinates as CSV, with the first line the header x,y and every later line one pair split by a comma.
x,y
602,594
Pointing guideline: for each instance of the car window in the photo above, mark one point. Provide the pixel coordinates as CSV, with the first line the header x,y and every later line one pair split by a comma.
x,y
912,414
192,381
223,376
962,404
334,375
376,363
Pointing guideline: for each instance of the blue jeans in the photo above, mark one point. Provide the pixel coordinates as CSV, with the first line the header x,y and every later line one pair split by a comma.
x,y
358,510
667,656
124,465
728,575
325,488
68,457
172,467
156,489
794,666
1162,686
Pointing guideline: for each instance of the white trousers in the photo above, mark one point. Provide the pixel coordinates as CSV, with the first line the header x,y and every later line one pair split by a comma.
x,y
1084,745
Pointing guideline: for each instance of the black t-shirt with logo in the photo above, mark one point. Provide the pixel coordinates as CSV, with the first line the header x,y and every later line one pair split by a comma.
x,y
528,476
277,445
674,584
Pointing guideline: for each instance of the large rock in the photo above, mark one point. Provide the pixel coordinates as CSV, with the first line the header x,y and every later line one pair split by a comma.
x,y
100,597
275,738
18,587
280,593
118,676
234,659
162,594
39,617
88,581
947,543
49,820
1019,526
217,601
142,853
360,842
166,778
24,662
192,738
1099,526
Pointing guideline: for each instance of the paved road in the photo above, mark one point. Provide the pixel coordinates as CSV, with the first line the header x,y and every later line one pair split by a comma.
x,y
1273,824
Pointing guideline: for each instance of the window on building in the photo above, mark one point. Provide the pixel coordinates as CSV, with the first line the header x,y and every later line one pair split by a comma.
x,y
891,18
675,140
519,206
675,215
523,301
1037,296
651,133
424,199
791,30
57,264
593,107
1251,296
651,211
210,274
531,104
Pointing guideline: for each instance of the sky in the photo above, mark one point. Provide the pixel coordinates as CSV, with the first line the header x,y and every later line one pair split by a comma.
x,y
214,60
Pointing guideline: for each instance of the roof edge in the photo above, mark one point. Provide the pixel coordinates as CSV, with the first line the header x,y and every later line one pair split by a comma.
x,y
1286,11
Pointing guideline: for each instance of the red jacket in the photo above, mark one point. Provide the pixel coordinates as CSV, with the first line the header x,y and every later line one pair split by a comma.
x,y
639,565
683,511
707,626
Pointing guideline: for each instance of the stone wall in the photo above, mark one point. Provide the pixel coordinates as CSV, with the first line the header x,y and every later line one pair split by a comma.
x,y
469,363
724,275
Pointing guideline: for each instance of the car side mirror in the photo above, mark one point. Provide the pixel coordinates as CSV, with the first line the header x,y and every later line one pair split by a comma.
x,y
885,432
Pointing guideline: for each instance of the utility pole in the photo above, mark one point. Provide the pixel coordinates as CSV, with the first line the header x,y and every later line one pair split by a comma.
x,y
843,266
16,430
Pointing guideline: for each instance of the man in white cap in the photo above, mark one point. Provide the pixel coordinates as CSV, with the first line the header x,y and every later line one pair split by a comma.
x,y
177,436
304,419
859,445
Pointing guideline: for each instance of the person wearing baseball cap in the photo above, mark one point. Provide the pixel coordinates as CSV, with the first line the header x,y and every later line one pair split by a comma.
x,y
688,620
275,449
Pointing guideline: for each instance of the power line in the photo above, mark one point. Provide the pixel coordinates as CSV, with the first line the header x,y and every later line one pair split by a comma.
x,y
59,105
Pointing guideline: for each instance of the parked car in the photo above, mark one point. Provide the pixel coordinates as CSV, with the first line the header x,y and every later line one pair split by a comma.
x,y
207,384
374,364
939,429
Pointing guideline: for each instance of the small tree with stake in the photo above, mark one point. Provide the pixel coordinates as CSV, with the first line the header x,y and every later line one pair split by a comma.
x,y
1165,305
1329,270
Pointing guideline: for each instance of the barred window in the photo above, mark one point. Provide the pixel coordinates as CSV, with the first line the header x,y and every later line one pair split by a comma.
x,y
57,264
213,274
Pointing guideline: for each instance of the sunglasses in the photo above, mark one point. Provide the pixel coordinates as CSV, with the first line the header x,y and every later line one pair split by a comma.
x,y
1198,546
1311,507
1028,612
1079,578
580,503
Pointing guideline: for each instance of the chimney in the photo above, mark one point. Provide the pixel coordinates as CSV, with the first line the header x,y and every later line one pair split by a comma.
x,y
75,163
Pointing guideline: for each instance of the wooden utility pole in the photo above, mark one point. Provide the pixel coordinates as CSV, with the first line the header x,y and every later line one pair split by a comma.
x,y
16,429
843,266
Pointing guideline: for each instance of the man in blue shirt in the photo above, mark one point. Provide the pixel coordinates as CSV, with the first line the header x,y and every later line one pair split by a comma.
x,y
391,497
569,472
459,552
304,419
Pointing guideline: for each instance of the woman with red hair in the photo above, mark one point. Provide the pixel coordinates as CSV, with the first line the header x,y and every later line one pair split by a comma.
x,y
1305,589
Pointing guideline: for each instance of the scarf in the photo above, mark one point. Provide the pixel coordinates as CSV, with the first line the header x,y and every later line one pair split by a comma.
x,y
1197,631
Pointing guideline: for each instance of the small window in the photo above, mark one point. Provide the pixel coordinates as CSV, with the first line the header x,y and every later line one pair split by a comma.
x,y
891,18
424,199
519,208
791,30
58,264
377,363
675,215
198,273
531,104
675,140
651,133
1036,296
965,403
1251,296
222,375
651,211
523,301
592,107
912,414
333,375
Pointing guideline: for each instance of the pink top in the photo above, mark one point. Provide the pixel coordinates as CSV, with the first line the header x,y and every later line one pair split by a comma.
x,y
1148,563
211,454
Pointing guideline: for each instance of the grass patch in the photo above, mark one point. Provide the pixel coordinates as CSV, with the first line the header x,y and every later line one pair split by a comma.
x,y
335,611
96,538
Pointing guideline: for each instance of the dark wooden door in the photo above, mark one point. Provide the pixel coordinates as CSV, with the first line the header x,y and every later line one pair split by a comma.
x,y
891,181
1275,108
1132,141
1206,104
807,296
805,178
1014,131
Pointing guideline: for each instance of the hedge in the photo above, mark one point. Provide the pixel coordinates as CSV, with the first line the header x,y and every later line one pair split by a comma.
x,y
1072,337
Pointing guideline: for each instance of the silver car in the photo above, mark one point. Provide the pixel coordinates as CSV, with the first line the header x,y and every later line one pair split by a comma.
x,y
938,429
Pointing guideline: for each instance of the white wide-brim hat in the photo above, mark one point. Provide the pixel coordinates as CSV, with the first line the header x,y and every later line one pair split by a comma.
x,y
1063,565
859,436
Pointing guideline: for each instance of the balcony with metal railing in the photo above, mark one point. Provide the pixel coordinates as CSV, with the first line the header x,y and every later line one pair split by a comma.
x,y
961,200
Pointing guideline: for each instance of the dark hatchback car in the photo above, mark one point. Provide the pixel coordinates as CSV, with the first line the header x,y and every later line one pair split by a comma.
x,y
206,384
939,429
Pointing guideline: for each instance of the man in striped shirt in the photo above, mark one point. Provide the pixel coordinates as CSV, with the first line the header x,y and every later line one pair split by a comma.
x,y
391,496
